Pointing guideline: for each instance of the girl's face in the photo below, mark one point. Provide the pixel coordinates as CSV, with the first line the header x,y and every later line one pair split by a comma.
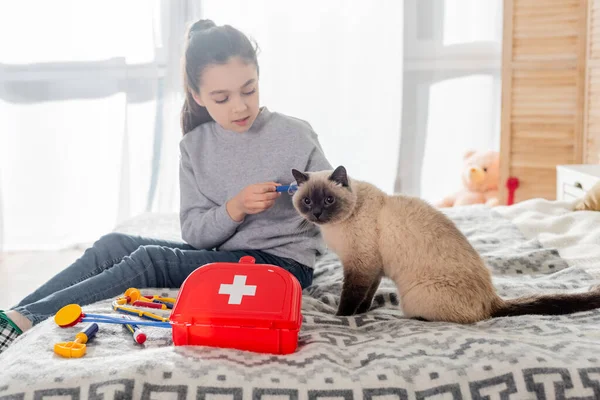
x,y
230,94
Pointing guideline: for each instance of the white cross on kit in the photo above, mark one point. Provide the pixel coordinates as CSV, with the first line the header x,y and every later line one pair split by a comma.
x,y
237,290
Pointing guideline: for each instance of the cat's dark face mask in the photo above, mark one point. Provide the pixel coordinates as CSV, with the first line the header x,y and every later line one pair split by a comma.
x,y
319,205
323,198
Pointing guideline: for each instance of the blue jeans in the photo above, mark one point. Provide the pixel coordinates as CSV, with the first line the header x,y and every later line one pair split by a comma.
x,y
117,262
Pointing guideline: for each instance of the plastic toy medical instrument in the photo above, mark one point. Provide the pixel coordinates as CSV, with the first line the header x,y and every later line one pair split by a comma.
x,y
154,304
138,336
290,189
72,314
132,295
77,347
139,313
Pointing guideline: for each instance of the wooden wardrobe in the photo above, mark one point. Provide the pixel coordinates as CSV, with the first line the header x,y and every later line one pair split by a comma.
x,y
550,92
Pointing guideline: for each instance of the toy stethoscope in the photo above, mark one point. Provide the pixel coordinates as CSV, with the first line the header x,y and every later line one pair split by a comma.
x,y
72,314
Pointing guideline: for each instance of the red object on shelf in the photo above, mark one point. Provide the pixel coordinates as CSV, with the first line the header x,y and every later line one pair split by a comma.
x,y
246,306
512,183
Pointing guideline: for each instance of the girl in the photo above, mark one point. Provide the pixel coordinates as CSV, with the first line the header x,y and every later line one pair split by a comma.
x,y
233,155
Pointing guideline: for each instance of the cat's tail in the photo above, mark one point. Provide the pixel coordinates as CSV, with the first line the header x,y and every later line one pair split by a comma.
x,y
554,304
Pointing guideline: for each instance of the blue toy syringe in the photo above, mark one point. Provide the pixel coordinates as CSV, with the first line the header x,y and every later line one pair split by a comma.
x,y
290,189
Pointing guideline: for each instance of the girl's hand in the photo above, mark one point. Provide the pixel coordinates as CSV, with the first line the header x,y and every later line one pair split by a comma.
x,y
252,199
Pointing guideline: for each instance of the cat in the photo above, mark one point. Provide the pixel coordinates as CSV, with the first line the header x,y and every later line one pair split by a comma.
x,y
438,274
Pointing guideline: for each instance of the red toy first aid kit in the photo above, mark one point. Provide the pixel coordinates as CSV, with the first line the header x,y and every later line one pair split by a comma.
x,y
247,306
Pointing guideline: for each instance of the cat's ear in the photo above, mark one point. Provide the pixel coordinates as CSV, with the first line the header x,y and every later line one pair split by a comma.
x,y
300,177
339,176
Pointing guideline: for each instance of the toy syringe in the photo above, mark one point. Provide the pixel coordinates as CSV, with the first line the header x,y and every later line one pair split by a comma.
x,y
287,188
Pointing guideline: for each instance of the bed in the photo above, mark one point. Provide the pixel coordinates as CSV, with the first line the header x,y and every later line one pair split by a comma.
x,y
536,246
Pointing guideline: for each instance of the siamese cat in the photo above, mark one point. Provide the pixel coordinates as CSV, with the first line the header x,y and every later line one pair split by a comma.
x,y
438,274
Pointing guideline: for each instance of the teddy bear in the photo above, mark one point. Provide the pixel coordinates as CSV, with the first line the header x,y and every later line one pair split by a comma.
x,y
591,200
480,176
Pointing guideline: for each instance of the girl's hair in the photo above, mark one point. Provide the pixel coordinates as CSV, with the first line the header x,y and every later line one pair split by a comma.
x,y
209,44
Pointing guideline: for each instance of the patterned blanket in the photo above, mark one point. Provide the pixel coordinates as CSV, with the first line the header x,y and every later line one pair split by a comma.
x,y
377,355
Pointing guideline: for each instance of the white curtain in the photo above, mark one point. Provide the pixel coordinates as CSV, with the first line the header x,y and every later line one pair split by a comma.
x,y
88,120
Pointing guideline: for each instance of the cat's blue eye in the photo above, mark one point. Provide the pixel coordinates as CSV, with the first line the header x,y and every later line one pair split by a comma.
x,y
306,201
329,200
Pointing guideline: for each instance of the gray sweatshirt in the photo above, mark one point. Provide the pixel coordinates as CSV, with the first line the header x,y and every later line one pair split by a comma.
x,y
216,164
